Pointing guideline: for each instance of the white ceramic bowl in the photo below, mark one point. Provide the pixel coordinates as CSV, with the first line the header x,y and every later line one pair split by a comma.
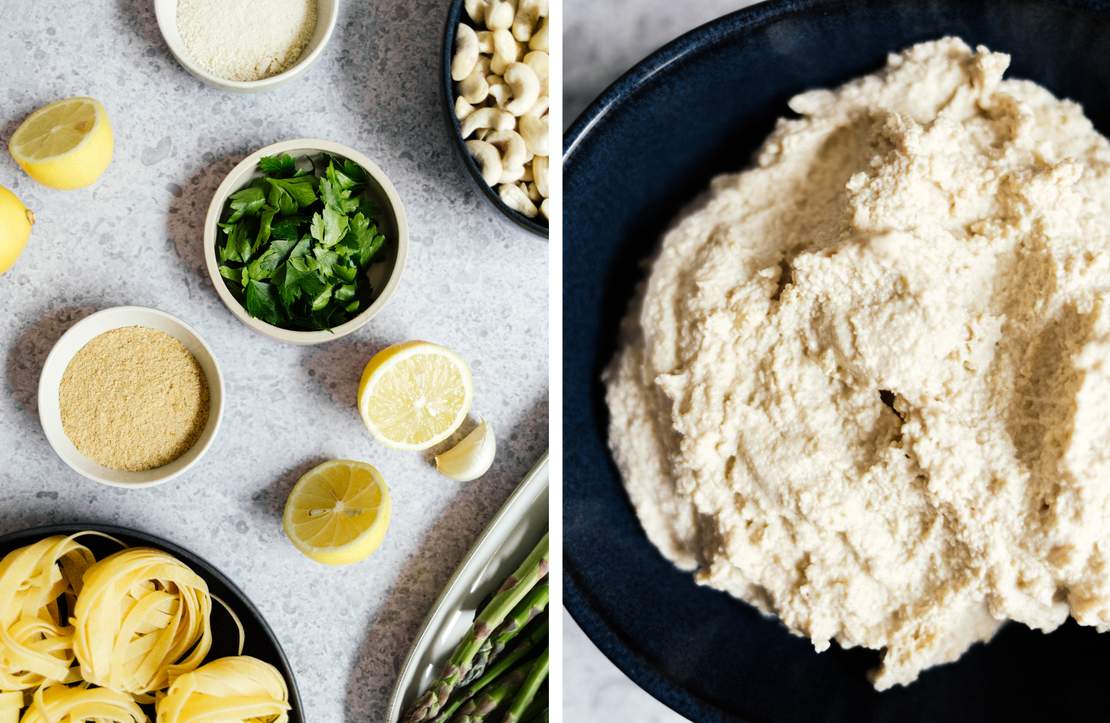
x,y
326,13
384,274
81,334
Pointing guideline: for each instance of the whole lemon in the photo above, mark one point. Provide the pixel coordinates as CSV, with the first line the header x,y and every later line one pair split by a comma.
x,y
15,228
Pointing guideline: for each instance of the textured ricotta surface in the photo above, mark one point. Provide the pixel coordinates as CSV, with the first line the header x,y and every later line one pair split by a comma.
x,y
865,387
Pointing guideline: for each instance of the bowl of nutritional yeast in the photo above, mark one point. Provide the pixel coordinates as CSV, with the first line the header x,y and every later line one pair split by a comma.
x,y
130,397
244,47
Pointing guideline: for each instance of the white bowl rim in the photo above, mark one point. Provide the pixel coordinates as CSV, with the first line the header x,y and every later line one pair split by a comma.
x,y
130,316
182,56
229,186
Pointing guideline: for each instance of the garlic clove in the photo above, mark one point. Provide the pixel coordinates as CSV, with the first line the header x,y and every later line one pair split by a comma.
x,y
472,457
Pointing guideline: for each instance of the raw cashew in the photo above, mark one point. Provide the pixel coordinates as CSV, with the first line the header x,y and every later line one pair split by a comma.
x,y
487,118
499,92
485,42
528,14
527,177
513,151
533,195
511,174
477,9
533,129
462,108
522,80
488,159
540,107
537,60
517,200
543,209
505,51
466,52
500,15
474,87
538,40
539,174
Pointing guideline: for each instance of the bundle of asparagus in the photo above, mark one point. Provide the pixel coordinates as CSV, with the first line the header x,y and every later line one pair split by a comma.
x,y
500,666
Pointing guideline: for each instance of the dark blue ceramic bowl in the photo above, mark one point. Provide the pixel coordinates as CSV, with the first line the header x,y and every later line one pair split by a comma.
x,y
260,640
648,145
455,15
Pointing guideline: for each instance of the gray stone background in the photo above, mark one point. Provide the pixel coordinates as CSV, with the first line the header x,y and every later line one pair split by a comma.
x,y
473,283
601,41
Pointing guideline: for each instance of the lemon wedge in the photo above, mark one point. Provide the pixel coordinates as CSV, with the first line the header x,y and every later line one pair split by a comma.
x,y
338,512
15,228
472,457
414,395
67,144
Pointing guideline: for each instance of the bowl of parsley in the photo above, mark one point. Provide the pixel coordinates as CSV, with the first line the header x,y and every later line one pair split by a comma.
x,y
305,240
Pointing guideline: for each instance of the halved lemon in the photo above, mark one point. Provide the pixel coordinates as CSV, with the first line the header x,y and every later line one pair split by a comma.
x,y
67,144
414,395
338,512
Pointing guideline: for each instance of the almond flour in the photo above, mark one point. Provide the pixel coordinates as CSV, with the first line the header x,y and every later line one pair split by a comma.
x,y
246,40
133,399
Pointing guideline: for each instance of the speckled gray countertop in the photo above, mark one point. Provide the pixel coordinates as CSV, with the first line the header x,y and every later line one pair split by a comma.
x,y
472,282
602,41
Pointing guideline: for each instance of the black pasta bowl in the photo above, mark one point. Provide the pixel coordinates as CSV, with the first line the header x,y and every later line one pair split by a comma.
x,y
645,149
259,639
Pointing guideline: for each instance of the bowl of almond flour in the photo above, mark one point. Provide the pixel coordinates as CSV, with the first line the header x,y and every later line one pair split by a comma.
x,y
246,45
130,397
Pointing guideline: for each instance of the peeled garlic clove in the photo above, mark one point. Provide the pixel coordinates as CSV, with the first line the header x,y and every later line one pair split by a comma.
x,y
471,458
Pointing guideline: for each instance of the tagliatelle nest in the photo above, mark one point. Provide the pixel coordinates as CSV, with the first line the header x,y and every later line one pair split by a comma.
x,y
36,583
86,640
228,689
60,703
141,620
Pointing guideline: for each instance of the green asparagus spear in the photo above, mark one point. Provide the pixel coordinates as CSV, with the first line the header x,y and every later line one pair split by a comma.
x,y
522,648
528,608
538,707
512,591
536,676
477,708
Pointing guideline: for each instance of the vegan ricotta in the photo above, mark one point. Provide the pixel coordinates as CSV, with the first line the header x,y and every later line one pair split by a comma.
x,y
865,385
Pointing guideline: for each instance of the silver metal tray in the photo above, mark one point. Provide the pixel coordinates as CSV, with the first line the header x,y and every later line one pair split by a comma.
x,y
502,546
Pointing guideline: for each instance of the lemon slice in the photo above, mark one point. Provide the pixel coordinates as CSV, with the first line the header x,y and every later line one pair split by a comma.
x,y
66,144
414,395
15,228
338,512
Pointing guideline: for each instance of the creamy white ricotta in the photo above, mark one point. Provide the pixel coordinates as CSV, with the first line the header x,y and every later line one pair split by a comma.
x,y
865,385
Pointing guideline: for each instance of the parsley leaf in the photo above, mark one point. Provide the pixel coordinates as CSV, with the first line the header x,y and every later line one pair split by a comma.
x,y
281,166
289,194
246,202
261,302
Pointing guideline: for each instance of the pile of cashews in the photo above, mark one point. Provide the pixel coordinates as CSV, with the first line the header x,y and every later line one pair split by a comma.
x,y
500,70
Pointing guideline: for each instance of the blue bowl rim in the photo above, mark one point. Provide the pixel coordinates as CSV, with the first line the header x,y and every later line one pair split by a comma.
x,y
447,94
576,599
192,559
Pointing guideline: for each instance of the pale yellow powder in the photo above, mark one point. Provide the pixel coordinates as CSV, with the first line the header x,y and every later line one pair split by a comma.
x,y
246,40
133,399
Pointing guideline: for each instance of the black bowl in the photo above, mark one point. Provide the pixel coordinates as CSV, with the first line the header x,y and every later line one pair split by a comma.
x,y
260,640
455,15
646,147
